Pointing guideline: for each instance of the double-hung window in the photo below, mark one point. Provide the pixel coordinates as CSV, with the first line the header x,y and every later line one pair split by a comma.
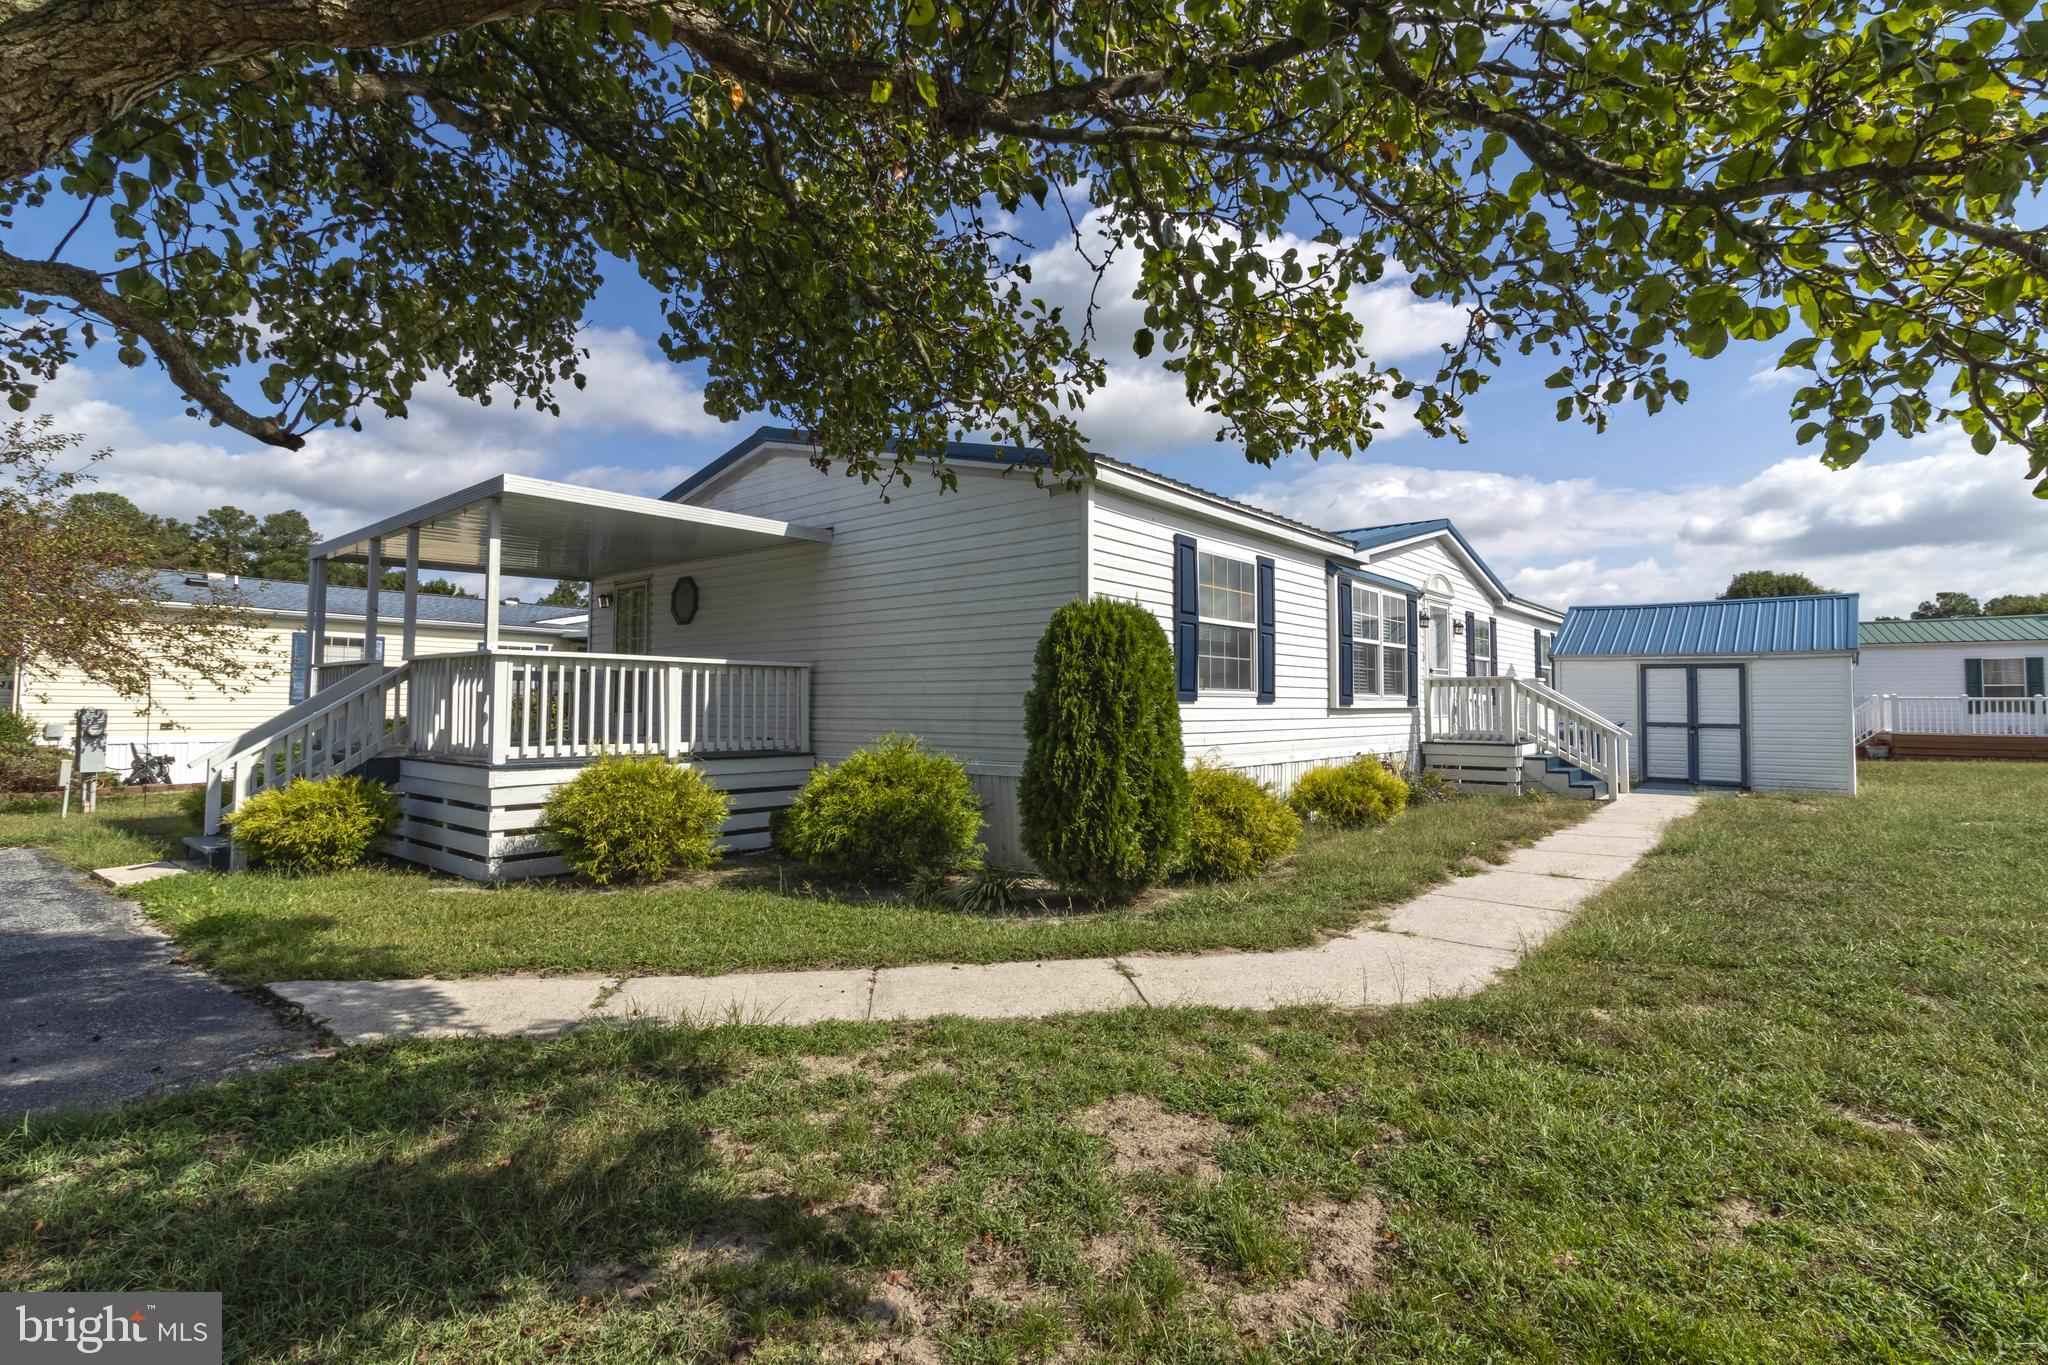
x,y
2005,677
1365,642
1485,663
1227,612
1394,643
1379,643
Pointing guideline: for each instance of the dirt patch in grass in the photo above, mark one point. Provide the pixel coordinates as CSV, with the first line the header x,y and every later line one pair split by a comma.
x,y
1882,1123
1732,1218
1343,1237
1143,1135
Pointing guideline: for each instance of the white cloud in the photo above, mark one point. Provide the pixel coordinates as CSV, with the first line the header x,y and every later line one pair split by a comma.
x,y
1143,408
345,478
1939,516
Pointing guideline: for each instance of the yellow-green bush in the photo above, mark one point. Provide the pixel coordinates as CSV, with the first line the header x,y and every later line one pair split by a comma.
x,y
1236,825
314,826
634,819
1349,795
889,810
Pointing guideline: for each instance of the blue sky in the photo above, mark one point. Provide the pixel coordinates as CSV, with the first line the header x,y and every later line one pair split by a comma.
x,y
1655,508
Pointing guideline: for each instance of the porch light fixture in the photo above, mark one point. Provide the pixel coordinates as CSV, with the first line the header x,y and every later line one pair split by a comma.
x,y
682,601
604,601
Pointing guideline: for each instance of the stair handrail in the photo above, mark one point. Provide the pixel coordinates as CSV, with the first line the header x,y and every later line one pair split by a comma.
x,y
294,715
1512,709
1608,761
238,753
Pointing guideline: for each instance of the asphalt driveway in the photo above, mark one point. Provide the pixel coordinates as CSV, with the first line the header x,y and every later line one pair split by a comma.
x,y
95,1011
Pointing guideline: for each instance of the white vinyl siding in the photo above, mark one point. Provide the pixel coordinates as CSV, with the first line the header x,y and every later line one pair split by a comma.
x,y
1514,627
1132,559
1933,670
921,616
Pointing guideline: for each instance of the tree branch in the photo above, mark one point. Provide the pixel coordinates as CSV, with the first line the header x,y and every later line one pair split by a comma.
x,y
82,287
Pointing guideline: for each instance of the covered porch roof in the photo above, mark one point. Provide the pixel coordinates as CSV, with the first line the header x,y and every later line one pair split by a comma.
x,y
545,529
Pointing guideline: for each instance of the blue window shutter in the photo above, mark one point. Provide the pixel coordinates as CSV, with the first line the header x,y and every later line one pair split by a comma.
x,y
299,658
1414,656
1471,638
1186,608
1267,691
1492,645
1344,682
1973,677
1536,638
2035,687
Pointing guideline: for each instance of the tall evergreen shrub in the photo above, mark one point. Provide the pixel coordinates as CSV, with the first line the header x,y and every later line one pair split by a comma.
x,y
1104,795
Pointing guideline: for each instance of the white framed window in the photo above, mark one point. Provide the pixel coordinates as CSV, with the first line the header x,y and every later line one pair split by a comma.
x,y
341,647
1394,644
1365,642
1227,612
2005,677
1485,662
1379,643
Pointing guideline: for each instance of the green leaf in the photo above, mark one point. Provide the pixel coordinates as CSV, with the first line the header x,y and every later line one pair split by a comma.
x,y
881,89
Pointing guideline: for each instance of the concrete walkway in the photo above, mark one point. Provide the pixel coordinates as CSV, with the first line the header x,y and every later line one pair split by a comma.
x,y
1452,940
97,1008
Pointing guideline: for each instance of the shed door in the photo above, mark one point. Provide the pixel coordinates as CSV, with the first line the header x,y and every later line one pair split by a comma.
x,y
1692,724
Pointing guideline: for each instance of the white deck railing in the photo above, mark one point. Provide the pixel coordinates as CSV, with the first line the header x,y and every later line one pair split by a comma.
x,y
514,706
1508,710
1888,713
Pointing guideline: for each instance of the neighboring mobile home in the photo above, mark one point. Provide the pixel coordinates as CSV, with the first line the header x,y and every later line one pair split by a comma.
x,y
1958,687
765,616
1754,692
185,719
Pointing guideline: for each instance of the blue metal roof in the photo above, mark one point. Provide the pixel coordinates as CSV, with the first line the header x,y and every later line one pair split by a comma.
x,y
274,594
1821,624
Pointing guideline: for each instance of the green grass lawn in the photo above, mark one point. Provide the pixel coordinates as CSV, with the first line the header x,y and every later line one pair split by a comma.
x,y
1780,1094
382,922
127,828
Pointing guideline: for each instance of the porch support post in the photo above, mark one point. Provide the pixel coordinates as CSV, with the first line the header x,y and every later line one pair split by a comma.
x,y
373,586
412,592
494,515
316,621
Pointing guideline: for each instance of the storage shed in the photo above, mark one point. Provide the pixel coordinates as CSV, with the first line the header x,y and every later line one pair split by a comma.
x,y
1753,693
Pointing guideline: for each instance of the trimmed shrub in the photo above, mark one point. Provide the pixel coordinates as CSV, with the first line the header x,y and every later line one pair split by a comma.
x,y
889,810
1104,794
314,826
15,731
1237,825
634,819
1349,795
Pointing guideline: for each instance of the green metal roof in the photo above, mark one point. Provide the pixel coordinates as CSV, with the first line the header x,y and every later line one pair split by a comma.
x,y
1955,630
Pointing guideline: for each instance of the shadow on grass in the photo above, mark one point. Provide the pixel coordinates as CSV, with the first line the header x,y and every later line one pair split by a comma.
x,y
368,1205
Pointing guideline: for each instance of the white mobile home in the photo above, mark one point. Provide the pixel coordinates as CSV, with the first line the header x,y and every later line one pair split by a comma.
x,y
765,616
183,719
1752,693
1958,687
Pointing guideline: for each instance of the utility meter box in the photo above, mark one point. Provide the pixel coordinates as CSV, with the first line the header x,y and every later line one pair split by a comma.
x,y
89,741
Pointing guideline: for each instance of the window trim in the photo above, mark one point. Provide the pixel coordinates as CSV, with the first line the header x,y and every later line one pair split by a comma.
x,y
2018,684
1393,607
1249,627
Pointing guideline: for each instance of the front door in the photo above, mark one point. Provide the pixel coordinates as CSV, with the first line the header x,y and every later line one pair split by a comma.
x,y
1693,724
629,619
